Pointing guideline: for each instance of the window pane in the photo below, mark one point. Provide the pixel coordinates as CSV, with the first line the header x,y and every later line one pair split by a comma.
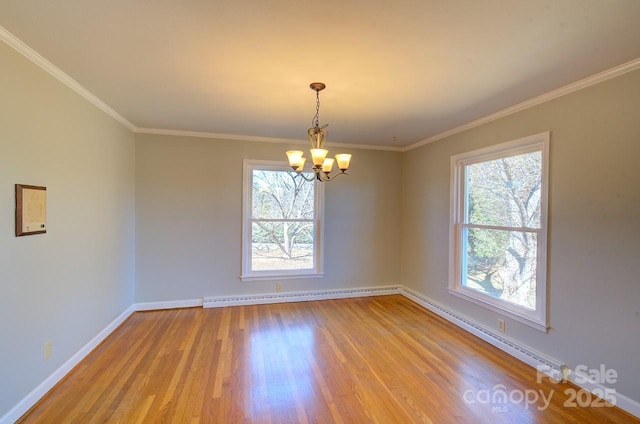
x,y
505,192
279,195
501,264
282,245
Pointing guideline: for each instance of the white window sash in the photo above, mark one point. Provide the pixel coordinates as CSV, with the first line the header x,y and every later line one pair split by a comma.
x,y
247,274
537,318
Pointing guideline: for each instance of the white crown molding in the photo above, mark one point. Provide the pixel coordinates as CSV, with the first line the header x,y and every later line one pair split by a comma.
x,y
54,71
219,136
259,139
567,89
365,147
36,58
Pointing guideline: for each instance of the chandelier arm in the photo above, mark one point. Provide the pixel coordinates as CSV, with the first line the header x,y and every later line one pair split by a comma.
x,y
323,177
319,175
301,175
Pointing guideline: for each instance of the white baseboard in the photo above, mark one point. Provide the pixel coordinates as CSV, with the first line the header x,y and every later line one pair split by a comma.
x,y
174,304
36,394
512,347
621,401
524,353
216,302
518,350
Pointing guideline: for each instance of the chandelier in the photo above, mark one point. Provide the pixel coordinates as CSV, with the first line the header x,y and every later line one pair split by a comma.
x,y
322,165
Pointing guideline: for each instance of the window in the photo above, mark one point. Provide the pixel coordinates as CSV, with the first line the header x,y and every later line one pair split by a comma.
x,y
499,228
282,223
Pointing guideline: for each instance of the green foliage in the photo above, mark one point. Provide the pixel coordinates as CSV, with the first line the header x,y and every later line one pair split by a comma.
x,y
487,248
503,193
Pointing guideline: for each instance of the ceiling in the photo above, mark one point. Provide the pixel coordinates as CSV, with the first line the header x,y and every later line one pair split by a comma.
x,y
397,72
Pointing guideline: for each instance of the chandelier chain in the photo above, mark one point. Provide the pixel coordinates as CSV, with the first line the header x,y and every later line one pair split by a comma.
x,y
316,119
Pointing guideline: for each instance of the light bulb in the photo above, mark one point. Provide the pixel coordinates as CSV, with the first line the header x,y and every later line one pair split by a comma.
x,y
301,167
295,158
318,156
343,161
327,165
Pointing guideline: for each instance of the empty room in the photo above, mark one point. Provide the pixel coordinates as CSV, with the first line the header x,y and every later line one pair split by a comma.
x,y
336,212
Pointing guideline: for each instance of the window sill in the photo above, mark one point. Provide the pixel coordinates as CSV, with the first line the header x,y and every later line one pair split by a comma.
x,y
272,277
478,300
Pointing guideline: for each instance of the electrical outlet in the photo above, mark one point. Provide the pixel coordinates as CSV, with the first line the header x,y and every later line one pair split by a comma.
x,y
47,349
278,287
501,325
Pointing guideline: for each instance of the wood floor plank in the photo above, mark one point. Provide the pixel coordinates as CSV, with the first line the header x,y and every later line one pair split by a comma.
x,y
375,359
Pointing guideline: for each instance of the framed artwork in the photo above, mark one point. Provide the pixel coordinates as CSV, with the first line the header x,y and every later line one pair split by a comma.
x,y
31,210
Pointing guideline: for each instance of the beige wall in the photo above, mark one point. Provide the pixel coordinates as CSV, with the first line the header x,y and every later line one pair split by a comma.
x,y
594,232
386,223
68,284
188,219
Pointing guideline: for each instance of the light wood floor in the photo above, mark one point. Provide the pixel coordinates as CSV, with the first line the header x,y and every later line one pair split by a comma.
x,y
376,359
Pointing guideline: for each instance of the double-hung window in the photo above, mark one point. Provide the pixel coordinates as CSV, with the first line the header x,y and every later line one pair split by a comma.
x,y
282,223
498,228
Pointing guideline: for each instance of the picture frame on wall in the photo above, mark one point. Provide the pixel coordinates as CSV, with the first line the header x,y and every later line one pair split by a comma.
x,y
31,210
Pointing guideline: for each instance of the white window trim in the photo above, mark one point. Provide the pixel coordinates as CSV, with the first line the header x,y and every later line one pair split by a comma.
x,y
318,260
538,318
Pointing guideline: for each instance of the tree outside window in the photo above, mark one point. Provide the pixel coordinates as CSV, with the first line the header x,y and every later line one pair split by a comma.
x,y
498,228
281,226
282,221
503,208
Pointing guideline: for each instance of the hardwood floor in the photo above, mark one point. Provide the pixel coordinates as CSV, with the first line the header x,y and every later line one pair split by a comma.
x,y
376,359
